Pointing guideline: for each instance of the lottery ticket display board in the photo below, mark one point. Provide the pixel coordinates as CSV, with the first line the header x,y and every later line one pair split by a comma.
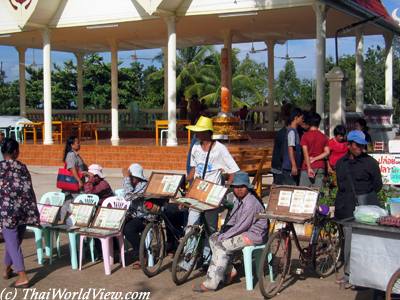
x,y
203,195
108,221
81,214
292,203
163,185
49,214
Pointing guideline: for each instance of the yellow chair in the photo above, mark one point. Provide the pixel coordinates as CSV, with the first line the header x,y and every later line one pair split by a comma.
x,y
57,130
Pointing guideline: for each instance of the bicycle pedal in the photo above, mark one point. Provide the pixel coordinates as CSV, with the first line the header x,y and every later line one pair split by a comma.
x,y
299,271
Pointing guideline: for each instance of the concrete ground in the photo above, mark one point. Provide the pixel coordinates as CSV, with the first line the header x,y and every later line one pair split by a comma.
x,y
47,277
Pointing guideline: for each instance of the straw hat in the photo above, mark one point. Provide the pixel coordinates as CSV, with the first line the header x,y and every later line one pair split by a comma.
x,y
96,170
203,124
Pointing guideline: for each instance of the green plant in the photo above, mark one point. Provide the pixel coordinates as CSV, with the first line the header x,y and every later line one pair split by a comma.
x,y
387,192
328,196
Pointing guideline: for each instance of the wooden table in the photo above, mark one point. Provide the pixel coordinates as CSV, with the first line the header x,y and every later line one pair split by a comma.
x,y
162,124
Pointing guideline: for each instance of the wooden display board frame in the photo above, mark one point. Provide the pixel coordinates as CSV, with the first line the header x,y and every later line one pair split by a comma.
x,y
203,195
112,230
159,182
291,212
53,214
87,218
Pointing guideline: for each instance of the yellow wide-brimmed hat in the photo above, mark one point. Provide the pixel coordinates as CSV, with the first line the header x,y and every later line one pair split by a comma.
x,y
203,124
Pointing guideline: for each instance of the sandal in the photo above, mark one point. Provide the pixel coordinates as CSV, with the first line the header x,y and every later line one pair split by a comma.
x,y
9,274
23,285
200,288
136,265
230,277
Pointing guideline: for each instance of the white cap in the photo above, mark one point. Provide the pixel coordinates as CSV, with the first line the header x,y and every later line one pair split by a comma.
x,y
136,170
96,170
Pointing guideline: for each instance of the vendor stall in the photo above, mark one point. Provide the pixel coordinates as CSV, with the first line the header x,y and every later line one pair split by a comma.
x,y
374,254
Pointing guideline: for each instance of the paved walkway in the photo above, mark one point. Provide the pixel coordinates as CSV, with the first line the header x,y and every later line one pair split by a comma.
x,y
60,275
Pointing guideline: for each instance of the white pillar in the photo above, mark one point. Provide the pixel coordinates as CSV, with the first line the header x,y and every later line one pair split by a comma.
x,y
114,94
337,99
48,134
271,83
359,72
22,84
389,70
320,13
79,83
172,140
165,62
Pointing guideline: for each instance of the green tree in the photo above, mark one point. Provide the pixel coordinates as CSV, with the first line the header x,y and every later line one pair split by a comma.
x,y
288,85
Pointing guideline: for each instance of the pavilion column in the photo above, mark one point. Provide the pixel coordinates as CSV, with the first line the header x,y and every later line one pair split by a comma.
x,y
79,83
171,78
48,134
337,99
271,84
165,63
320,13
226,75
389,69
359,72
22,83
114,94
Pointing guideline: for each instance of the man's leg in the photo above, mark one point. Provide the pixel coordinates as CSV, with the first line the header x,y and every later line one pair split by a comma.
x,y
319,178
278,178
221,258
304,179
347,249
288,179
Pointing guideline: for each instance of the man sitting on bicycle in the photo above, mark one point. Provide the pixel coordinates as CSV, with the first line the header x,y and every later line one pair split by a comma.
x,y
241,229
208,160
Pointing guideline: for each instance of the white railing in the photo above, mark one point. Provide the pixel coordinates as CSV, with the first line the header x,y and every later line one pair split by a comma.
x,y
141,119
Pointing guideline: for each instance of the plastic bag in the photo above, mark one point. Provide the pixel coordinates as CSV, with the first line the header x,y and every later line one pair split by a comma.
x,y
369,214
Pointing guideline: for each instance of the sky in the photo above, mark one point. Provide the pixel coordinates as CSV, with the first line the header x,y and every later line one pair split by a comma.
x,y
305,67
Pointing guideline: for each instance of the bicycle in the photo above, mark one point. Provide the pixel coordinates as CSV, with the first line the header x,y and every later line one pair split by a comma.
x,y
393,287
189,250
323,252
152,248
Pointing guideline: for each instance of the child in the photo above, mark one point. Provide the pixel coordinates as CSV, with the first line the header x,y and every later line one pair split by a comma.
x,y
315,148
337,147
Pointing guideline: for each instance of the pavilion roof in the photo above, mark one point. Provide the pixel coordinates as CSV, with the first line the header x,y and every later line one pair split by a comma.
x,y
79,25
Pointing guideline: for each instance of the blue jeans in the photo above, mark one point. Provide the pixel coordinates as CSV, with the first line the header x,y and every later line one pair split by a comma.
x,y
211,218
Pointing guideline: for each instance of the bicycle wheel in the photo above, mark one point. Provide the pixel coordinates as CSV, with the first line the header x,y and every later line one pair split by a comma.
x,y
152,249
274,263
186,256
327,251
393,287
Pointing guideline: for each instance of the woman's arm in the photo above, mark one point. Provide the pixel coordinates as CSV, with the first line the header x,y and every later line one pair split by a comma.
x,y
74,172
243,221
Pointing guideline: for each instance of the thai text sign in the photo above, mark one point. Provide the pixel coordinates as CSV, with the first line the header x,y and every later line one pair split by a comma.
x,y
389,165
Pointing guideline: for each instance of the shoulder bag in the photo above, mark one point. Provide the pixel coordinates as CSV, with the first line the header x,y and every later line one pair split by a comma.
x,y
66,180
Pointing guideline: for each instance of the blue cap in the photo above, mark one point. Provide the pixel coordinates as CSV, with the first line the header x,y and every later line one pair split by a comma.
x,y
242,178
357,136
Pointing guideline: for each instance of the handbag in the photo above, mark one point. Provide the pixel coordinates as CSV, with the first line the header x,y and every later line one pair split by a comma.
x,y
370,198
66,181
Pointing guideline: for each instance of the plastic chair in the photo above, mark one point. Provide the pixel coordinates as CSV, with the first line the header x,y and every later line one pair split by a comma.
x,y
72,235
116,202
248,263
52,198
107,242
119,192
18,132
